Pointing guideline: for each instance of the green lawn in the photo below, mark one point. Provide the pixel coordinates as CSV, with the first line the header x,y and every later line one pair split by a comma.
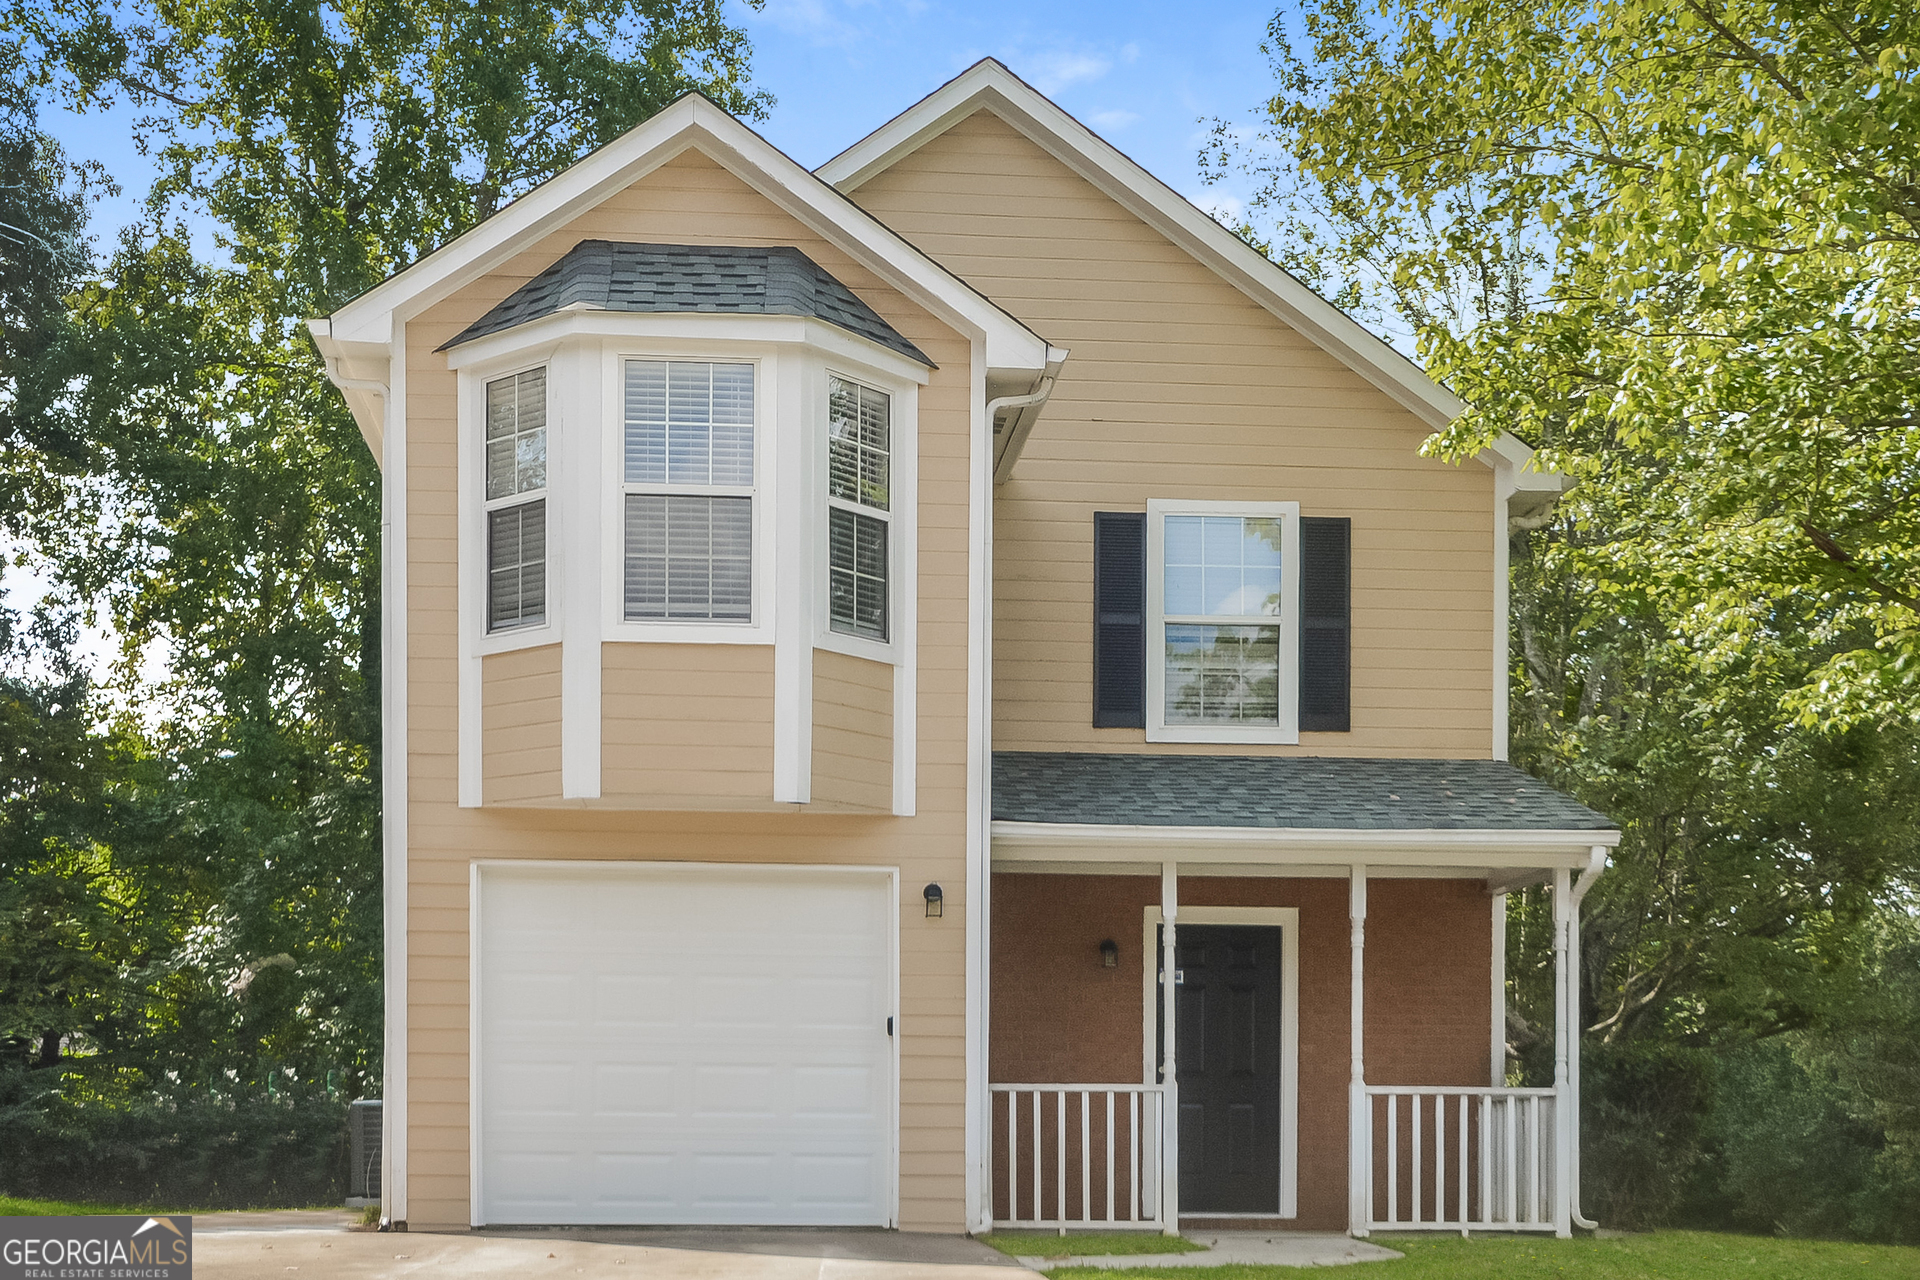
x,y
1668,1255
1085,1244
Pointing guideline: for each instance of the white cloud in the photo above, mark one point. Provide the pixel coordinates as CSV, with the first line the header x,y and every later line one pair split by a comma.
x,y
1112,121
1052,72
1223,208
831,21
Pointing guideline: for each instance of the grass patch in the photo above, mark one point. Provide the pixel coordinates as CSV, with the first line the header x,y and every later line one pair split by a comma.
x,y
17,1207
13,1207
1666,1255
1086,1244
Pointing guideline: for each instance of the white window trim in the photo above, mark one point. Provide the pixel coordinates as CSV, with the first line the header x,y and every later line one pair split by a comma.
x,y
902,515
489,504
471,459
1287,731
769,370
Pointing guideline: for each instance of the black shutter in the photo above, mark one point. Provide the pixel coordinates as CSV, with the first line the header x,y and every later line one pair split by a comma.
x,y
1326,564
1119,620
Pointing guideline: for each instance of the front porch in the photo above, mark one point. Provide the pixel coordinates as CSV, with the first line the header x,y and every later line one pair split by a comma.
x,y
1197,1024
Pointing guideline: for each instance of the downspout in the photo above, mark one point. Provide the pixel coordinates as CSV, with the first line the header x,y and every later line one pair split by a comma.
x,y
1597,861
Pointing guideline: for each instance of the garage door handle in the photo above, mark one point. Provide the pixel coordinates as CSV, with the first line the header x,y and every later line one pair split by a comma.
x,y
889,1027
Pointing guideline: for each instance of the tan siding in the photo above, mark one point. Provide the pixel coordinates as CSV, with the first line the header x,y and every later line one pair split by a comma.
x,y
520,718
1179,386
691,201
852,732
686,724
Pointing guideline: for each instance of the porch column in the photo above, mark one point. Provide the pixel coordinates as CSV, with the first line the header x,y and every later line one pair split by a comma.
x,y
1563,1100
1169,1100
1359,1110
1497,1051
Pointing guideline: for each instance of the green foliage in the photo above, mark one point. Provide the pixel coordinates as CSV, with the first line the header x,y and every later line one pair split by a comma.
x,y
190,915
199,1152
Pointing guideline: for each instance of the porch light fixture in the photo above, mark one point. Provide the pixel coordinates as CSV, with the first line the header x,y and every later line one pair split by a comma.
x,y
1109,954
936,901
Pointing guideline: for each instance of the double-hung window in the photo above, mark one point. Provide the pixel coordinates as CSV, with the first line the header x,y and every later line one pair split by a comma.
x,y
516,503
1223,651
689,490
859,515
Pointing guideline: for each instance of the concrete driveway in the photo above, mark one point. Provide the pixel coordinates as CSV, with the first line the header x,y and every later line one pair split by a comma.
x,y
289,1246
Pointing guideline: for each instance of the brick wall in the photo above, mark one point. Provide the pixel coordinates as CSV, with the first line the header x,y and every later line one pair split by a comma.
x,y
1058,1016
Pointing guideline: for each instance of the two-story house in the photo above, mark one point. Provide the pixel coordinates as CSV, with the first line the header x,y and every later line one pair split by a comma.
x,y
938,692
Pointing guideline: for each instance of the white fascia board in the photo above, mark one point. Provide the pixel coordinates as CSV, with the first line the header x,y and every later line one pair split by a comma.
x,y
1489,849
988,85
692,123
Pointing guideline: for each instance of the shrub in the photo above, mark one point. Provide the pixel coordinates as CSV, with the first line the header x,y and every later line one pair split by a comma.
x,y
200,1151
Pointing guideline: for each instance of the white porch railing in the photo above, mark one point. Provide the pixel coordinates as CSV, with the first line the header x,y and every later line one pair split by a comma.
x,y
1078,1155
1461,1159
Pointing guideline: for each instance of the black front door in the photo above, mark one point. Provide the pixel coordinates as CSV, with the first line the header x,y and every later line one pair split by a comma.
x,y
1228,1016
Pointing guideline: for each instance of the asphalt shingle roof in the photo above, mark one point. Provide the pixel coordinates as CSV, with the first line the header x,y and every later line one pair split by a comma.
x,y
1280,791
607,275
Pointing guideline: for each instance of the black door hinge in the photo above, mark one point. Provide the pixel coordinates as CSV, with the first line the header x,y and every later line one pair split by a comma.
x,y
889,1027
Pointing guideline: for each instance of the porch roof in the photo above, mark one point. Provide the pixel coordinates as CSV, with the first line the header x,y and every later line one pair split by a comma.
x,y
1293,792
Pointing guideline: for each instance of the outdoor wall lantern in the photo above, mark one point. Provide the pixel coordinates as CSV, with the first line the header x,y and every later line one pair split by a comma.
x,y
1109,954
936,901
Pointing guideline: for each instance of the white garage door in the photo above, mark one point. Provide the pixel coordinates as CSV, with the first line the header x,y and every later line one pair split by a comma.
x,y
684,1045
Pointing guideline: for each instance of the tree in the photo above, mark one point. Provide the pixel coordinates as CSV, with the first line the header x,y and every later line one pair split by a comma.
x,y
1698,229
213,500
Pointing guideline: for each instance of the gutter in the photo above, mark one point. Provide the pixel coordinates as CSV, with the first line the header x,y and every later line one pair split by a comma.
x,y
1021,425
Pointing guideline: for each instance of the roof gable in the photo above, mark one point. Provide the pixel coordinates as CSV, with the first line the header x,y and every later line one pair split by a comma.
x,y
990,86
370,321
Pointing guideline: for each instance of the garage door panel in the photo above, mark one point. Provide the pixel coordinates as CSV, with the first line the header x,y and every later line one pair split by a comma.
x,y
685,1047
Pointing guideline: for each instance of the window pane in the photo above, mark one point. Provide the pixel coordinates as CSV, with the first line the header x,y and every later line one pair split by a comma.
x,y
1223,675
689,423
857,573
689,557
517,434
859,437
1220,566
733,424
646,421
517,565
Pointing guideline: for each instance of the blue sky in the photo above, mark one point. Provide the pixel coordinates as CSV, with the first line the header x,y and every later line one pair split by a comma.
x,y
1143,75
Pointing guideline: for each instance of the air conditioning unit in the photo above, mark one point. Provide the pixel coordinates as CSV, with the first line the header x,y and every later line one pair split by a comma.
x,y
363,1146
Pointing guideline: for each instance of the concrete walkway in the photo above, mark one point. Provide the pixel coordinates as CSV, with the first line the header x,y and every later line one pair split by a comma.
x,y
287,1252
1225,1248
